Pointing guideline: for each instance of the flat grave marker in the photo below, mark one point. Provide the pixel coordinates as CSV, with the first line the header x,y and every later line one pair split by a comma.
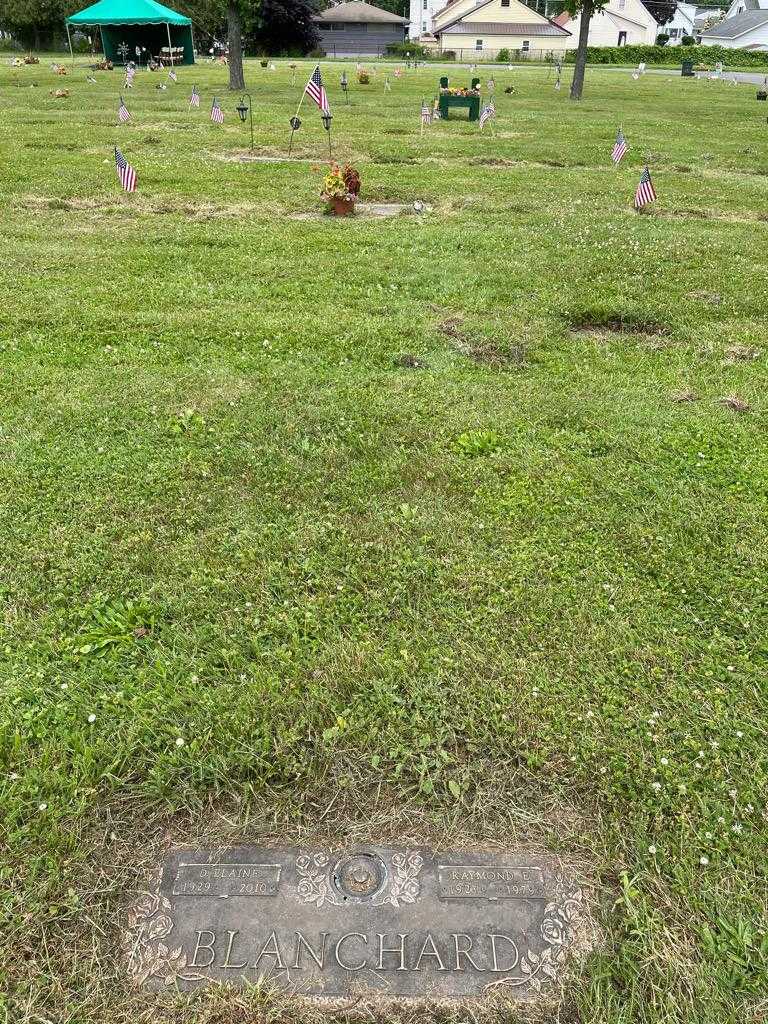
x,y
371,921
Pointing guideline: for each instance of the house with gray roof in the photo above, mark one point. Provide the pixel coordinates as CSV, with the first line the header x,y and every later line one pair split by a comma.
x,y
745,27
358,29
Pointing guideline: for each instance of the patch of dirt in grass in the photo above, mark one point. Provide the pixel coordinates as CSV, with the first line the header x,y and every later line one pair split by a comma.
x,y
480,350
602,324
684,396
69,147
135,205
712,298
740,354
244,157
491,161
735,403
408,361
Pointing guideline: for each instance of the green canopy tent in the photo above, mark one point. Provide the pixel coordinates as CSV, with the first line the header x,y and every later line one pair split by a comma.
x,y
137,23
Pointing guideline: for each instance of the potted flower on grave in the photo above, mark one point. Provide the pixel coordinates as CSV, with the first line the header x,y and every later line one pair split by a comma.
x,y
363,77
341,189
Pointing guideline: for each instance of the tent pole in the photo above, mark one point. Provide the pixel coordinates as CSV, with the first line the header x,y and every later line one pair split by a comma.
x,y
69,40
170,47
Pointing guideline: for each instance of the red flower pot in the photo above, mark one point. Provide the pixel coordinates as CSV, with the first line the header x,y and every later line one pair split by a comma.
x,y
342,207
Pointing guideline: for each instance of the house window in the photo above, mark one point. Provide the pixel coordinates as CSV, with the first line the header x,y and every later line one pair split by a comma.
x,y
622,39
423,26
526,45
424,5
478,44
622,4
357,27
505,3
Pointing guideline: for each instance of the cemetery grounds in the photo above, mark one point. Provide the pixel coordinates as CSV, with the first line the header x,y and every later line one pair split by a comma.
x,y
445,527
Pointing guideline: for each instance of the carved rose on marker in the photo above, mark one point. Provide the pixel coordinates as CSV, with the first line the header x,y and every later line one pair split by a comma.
x,y
553,931
405,886
159,928
148,957
557,932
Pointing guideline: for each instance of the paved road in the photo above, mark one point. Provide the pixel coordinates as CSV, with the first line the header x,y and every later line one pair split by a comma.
x,y
743,77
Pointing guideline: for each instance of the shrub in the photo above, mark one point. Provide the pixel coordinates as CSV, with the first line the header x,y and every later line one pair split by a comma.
x,y
9,45
317,54
447,55
415,50
503,56
687,41
662,39
632,55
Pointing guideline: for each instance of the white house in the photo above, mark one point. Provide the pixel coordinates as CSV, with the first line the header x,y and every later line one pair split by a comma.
x,y
420,17
619,23
745,27
483,27
683,23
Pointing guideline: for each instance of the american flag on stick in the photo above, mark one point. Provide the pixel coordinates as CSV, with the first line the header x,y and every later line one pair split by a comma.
x,y
426,113
129,73
316,90
488,111
194,99
122,112
646,193
217,114
173,76
125,172
620,147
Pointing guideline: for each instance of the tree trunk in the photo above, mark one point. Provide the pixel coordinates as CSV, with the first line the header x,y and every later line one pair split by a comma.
x,y
577,85
235,44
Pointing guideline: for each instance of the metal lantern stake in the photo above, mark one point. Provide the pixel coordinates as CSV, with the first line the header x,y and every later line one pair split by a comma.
x,y
327,118
243,108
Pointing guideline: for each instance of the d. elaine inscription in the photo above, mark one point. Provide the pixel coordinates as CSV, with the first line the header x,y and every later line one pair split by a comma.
x,y
459,881
223,880
378,921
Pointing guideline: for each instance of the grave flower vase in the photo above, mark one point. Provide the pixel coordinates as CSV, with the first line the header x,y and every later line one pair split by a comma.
x,y
341,207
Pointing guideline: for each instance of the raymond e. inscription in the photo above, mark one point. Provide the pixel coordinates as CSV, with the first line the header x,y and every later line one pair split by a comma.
x,y
385,922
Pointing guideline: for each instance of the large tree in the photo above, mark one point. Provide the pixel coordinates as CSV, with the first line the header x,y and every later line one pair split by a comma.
x,y
35,22
235,45
286,26
584,9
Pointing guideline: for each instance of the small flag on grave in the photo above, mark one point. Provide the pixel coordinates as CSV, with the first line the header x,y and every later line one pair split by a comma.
x,y
645,193
316,90
194,99
217,114
173,76
125,172
122,112
620,147
426,115
387,86
488,112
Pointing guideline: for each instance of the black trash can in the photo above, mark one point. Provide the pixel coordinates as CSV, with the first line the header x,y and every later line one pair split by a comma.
x,y
687,71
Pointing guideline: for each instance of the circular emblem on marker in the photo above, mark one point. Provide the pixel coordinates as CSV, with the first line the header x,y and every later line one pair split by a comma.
x,y
359,877
295,123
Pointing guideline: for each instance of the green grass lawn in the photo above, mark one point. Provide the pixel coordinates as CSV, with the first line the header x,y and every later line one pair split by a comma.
x,y
261,580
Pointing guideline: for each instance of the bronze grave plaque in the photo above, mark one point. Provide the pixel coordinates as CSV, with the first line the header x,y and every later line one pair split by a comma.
x,y
371,921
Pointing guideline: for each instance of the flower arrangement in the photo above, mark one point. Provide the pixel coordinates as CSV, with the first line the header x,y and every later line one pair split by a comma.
x,y
363,77
460,92
341,183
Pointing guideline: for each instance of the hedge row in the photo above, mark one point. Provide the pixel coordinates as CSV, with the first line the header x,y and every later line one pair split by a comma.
x,y
672,55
